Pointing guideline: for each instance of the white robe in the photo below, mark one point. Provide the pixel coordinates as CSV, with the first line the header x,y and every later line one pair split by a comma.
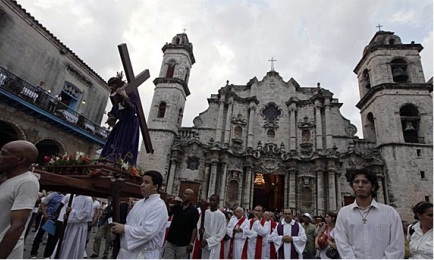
x,y
252,235
239,239
299,241
74,239
144,231
215,230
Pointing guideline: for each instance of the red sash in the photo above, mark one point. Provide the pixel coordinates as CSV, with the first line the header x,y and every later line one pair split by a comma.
x,y
273,254
231,247
196,246
167,229
258,249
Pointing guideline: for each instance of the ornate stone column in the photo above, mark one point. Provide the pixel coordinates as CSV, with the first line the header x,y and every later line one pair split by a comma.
x,y
318,124
338,190
247,188
320,192
228,122
292,127
292,203
172,171
331,201
213,176
218,134
252,108
206,178
328,123
286,189
223,184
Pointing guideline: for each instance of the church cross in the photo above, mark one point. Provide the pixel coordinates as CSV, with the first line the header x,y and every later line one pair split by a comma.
x,y
184,30
379,27
272,63
131,87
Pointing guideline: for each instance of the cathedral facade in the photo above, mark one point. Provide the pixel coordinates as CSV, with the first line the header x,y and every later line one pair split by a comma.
x,y
276,143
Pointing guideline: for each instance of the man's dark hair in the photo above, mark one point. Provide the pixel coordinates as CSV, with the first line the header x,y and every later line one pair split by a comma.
x,y
372,178
157,178
215,195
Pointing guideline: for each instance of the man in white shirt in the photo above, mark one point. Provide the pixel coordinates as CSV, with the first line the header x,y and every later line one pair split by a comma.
x,y
235,232
142,235
366,228
289,237
18,193
256,230
214,229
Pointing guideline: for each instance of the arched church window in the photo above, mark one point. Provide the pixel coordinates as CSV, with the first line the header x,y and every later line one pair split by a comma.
x,y
170,69
370,128
399,70
410,120
366,79
238,132
161,109
180,116
271,134
187,74
305,136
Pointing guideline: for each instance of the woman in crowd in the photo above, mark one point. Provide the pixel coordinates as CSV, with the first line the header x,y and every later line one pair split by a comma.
x,y
420,234
324,239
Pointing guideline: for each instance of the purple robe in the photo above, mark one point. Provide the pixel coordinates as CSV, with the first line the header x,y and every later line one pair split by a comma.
x,y
123,141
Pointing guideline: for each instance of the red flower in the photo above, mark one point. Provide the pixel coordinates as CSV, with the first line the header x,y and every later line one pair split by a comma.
x,y
47,158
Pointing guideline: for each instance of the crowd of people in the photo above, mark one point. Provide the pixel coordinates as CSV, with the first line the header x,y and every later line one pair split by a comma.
x,y
175,228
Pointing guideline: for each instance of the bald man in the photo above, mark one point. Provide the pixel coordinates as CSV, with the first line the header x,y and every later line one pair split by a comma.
x,y
18,194
182,230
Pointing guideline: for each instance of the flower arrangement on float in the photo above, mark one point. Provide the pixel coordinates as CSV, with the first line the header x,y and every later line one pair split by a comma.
x,y
80,164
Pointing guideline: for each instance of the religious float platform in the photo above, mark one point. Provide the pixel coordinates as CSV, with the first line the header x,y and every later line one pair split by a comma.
x,y
99,178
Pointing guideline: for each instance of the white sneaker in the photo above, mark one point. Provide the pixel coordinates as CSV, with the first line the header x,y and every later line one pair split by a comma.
x,y
84,255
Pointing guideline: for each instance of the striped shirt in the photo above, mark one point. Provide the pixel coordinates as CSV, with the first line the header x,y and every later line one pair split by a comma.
x,y
381,236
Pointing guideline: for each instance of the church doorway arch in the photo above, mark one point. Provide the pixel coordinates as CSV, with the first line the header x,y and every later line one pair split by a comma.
x,y
268,191
9,132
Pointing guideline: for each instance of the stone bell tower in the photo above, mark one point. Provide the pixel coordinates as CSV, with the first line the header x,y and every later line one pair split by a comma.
x,y
168,102
396,110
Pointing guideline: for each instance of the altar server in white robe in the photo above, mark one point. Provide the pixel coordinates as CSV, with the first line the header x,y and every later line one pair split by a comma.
x,y
142,236
289,238
74,239
256,230
214,229
234,230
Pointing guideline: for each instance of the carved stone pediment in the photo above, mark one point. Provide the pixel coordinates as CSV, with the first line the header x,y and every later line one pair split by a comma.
x,y
239,120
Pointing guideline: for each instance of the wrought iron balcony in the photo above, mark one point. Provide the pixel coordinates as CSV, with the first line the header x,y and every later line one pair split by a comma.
x,y
40,101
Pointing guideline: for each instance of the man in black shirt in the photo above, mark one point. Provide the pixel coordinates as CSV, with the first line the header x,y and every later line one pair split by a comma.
x,y
182,230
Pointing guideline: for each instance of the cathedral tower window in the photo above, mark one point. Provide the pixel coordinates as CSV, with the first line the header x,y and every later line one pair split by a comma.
x,y
170,69
187,74
370,128
366,79
180,116
399,70
161,110
410,120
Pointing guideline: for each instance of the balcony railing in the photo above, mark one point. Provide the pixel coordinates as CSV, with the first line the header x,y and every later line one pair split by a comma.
x,y
45,101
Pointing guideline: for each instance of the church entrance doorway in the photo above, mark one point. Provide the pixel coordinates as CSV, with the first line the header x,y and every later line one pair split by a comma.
x,y
268,191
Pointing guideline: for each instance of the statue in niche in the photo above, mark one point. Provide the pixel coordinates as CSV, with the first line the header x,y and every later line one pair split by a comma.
x,y
193,163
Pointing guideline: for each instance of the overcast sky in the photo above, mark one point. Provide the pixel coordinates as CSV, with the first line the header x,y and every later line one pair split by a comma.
x,y
312,41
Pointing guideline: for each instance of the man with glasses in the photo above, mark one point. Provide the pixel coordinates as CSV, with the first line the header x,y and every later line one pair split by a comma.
x,y
18,193
366,228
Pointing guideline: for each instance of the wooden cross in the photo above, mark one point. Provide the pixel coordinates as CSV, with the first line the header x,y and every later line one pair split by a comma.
x,y
379,27
272,63
131,87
